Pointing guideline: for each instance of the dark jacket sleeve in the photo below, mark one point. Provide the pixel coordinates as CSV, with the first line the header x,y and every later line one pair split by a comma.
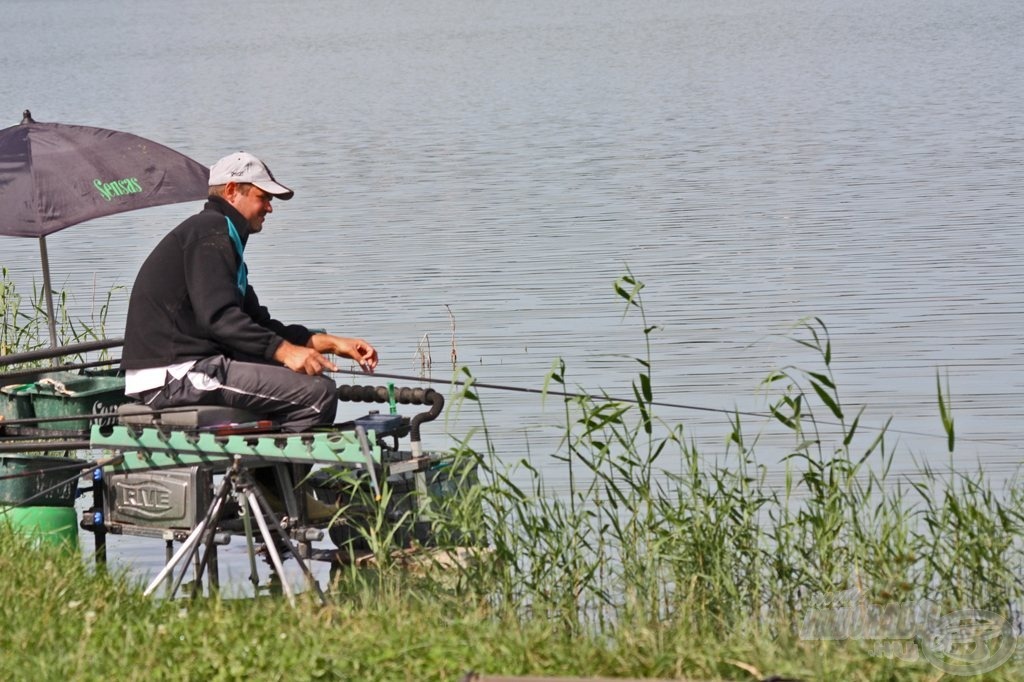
x,y
295,333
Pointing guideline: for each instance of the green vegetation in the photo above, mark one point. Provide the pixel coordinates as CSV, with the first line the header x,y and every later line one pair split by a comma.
x,y
62,620
24,321
660,562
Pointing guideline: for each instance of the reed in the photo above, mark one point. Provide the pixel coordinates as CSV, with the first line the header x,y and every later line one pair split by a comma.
x,y
23,325
653,531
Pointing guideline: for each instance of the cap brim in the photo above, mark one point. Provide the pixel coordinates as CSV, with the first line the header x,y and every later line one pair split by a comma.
x,y
276,190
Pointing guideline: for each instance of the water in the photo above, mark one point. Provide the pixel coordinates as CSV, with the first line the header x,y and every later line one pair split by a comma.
x,y
499,164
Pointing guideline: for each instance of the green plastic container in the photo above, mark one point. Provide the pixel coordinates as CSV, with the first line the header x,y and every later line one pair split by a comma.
x,y
15,403
23,476
80,394
54,526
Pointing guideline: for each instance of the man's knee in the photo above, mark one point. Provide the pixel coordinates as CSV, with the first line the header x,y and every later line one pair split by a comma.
x,y
326,393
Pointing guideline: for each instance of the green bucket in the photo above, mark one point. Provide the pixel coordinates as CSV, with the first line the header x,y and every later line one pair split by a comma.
x,y
53,526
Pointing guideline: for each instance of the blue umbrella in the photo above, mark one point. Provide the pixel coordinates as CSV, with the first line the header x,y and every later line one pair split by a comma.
x,y
53,176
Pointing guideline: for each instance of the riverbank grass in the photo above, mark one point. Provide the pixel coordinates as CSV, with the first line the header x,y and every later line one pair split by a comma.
x,y
64,620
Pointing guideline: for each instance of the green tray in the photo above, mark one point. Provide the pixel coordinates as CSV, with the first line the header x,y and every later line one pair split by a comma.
x,y
71,397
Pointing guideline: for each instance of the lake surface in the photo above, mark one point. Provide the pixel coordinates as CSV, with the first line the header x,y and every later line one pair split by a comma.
x,y
500,164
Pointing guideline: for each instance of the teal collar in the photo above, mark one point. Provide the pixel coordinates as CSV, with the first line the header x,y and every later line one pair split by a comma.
x,y
243,272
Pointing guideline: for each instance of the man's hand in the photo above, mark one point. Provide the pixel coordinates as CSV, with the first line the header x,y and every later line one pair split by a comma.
x,y
302,359
356,349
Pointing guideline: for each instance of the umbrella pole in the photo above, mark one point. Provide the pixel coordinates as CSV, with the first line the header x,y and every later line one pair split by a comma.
x,y
49,292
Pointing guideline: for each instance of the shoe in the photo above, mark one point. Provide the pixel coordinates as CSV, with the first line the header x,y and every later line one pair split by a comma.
x,y
319,511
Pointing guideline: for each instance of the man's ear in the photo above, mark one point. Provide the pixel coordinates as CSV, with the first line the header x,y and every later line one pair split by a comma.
x,y
232,191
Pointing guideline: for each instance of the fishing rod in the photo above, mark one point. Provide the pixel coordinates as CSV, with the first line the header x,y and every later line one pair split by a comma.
x,y
50,353
84,470
221,432
43,446
38,472
29,375
89,416
262,424
539,391
35,421
8,441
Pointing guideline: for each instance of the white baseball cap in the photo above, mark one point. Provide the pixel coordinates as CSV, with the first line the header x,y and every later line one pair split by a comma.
x,y
244,167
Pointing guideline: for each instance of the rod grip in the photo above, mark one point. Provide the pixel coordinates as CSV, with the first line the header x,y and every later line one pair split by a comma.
x,y
403,396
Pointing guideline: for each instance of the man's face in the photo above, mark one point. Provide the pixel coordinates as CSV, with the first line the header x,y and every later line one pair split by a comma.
x,y
252,202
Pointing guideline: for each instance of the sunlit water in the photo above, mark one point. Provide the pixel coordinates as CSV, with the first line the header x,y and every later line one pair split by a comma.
x,y
484,171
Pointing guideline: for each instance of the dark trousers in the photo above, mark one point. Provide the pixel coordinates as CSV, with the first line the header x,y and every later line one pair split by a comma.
x,y
295,401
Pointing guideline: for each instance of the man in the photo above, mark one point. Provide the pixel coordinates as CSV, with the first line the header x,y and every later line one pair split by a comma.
x,y
196,333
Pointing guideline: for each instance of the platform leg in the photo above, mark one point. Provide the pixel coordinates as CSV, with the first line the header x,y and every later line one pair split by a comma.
x,y
167,570
212,519
99,519
190,545
168,555
268,542
214,568
299,559
254,575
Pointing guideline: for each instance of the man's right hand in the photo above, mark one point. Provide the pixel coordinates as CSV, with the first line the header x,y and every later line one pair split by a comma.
x,y
302,359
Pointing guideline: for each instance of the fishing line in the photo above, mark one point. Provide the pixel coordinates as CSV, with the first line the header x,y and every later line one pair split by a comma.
x,y
679,406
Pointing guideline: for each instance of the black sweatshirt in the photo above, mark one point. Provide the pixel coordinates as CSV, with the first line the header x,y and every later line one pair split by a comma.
x,y
186,305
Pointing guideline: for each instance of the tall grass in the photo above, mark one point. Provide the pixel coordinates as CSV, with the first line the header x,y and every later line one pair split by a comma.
x,y
23,325
653,530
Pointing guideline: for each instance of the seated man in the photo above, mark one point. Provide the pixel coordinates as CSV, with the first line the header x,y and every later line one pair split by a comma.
x,y
196,333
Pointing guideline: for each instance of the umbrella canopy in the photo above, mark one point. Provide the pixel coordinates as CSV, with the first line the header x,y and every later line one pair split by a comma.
x,y
53,176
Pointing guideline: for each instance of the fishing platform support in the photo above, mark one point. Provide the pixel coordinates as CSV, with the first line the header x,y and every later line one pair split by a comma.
x,y
168,460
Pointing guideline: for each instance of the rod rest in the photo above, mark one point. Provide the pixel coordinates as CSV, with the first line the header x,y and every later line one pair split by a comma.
x,y
403,396
379,394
